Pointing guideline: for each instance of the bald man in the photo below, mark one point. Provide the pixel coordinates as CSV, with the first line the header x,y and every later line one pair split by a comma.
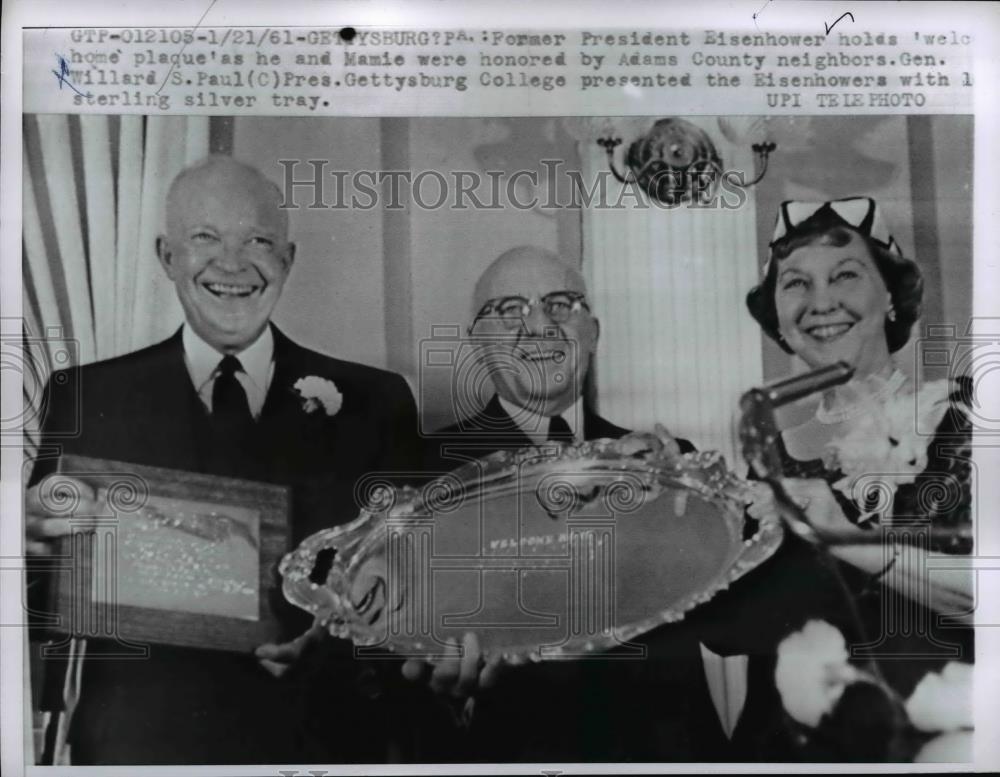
x,y
535,336
219,397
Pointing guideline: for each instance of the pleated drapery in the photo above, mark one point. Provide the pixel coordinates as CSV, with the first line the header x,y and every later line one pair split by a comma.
x,y
94,192
94,189
677,345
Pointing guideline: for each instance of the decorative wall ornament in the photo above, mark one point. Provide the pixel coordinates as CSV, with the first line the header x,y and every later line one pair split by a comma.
x,y
677,162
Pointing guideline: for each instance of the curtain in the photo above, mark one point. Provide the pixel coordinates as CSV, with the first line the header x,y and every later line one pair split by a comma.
x,y
677,345
94,189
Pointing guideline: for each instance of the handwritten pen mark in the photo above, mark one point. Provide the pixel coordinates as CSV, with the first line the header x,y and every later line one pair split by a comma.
x,y
759,12
174,64
830,27
62,76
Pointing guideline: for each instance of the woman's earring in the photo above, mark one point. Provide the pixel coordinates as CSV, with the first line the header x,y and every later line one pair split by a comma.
x,y
891,315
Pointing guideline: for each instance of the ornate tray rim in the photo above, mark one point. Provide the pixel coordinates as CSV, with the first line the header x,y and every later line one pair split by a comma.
x,y
636,453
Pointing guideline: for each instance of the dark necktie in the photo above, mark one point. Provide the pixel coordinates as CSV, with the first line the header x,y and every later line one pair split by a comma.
x,y
559,430
230,408
232,426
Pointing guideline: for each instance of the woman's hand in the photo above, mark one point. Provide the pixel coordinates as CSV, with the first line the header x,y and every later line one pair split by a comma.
x,y
763,507
824,514
814,498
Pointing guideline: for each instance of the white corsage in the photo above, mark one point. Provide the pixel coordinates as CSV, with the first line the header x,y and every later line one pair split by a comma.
x,y
319,393
889,443
942,701
813,671
942,704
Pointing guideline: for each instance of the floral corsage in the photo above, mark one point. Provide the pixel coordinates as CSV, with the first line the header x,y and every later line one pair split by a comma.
x,y
887,448
319,393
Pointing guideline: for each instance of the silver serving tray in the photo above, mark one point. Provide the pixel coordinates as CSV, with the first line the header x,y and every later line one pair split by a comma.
x,y
546,552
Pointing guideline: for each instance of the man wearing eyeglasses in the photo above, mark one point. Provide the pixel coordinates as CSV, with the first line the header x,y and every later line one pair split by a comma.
x,y
535,337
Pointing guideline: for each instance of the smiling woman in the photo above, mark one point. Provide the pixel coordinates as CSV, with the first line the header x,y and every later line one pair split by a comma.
x,y
832,303
834,265
881,472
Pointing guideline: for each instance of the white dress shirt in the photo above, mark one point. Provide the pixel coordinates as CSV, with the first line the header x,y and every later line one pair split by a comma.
x,y
202,362
536,427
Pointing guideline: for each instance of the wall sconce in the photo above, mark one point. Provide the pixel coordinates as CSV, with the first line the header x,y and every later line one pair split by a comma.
x,y
761,152
676,162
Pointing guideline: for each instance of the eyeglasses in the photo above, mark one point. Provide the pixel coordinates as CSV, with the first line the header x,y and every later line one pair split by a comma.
x,y
559,306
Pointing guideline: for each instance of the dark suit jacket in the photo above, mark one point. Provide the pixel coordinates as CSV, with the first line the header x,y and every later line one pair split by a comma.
x,y
601,710
492,429
184,706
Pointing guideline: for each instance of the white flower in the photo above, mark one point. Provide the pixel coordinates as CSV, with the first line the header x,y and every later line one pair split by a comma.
x,y
955,747
943,701
319,392
812,671
889,440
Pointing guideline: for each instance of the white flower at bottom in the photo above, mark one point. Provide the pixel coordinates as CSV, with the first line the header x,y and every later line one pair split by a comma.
x,y
319,392
943,701
813,671
954,747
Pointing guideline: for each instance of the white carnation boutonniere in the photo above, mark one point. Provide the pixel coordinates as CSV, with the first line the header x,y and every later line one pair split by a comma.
x,y
319,393
888,443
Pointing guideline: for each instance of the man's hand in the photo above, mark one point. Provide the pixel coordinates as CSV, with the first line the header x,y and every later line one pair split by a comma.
x,y
459,676
660,443
49,507
278,659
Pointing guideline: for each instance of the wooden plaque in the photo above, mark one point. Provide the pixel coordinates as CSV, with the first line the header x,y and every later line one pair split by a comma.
x,y
173,557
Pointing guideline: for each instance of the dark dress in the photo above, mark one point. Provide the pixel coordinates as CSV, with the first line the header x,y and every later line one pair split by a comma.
x,y
896,636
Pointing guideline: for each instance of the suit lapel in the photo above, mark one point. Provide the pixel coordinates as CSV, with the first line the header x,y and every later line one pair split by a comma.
x,y
321,456
281,397
494,418
597,428
294,442
168,414
497,422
